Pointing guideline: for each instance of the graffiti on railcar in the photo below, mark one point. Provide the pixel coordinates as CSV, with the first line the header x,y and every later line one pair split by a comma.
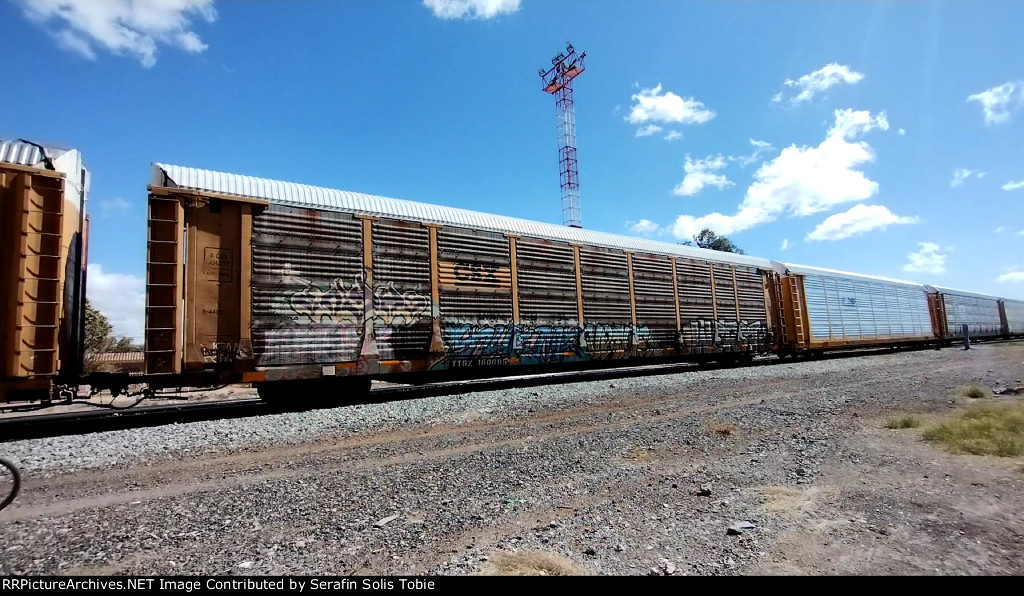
x,y
549,343
464,340
339,302
476,273
223,352
395,308
614,340
342,302
723,335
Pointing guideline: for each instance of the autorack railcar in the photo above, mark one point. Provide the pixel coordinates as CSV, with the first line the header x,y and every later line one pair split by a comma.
x,y
307,290
43,231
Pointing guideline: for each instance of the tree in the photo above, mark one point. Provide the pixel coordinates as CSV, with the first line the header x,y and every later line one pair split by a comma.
x,y
99,338
707,238
99,334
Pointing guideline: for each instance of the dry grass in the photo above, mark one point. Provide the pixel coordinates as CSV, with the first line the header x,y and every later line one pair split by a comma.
x,y
639,454
783,499
907,421
780,498
724,429
974,392
982,430
533,562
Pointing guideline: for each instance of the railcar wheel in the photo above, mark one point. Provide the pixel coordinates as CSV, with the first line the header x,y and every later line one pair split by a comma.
x,y
10,482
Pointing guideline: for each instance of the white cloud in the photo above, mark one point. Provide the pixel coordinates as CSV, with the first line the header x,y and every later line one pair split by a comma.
x,y
858,219
1000,230
673,135
471,9
699,174
644,226
902,132
1013,185
121,298
927,260
132,27
650,129
819,81
851,123
115,204
998,102
1012,277
800,181
962,174
785,244
760,148
651,105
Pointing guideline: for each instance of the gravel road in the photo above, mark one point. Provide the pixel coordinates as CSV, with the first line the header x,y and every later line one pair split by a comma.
x,y
643,475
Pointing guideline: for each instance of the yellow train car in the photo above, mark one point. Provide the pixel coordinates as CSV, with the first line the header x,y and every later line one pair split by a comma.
x,y
43,235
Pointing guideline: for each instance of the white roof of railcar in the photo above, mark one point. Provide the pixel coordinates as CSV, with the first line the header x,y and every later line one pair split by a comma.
x,y
945,290
66,161
302,195
27,154
808,270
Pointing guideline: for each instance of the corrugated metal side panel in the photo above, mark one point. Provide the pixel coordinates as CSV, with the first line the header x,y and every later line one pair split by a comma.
x,y
696,307
547,283
655,301
308,293
842,309
608,323
302,195
476,293
753,322
401,289
548,314
1014,316
980,314
725,297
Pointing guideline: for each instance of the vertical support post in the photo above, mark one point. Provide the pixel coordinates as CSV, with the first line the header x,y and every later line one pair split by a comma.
x,y
714,294
245,286
675,294
369,353
967,336
633,332
579,284
436,340
514,269
735,292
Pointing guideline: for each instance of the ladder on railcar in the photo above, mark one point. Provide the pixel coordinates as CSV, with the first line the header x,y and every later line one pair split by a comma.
x,y
164,260
37,307
797,308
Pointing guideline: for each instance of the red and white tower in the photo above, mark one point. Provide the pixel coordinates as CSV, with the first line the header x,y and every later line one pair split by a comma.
x,y
558,82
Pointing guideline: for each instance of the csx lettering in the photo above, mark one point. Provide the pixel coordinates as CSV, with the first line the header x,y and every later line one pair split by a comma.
x,y
476,273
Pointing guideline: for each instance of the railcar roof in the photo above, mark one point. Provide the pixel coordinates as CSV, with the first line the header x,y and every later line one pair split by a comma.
x,y
302,195
27,154
946,290
808,270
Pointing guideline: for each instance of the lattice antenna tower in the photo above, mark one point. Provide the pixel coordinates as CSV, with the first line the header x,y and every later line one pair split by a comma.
x,y
565,67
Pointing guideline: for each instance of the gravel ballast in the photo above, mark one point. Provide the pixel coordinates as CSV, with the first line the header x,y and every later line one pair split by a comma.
x,y
743,470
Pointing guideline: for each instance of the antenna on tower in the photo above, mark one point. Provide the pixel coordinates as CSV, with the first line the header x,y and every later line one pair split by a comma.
x,y
558,82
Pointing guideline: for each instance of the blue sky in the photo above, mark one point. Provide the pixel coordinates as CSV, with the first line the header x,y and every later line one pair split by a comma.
x,y
883,137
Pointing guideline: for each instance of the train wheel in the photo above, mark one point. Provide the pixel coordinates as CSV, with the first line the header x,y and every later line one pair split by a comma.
x,y
10,482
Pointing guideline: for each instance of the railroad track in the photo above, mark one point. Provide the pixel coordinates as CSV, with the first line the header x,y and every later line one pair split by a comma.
x,y
91,421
